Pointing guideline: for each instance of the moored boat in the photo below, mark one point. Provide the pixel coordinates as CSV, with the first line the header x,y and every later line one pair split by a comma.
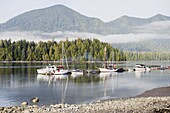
x,y
109,68
141,68
48,70
52,70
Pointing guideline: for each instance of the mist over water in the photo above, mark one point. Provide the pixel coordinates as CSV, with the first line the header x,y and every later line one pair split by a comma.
x,y
59,36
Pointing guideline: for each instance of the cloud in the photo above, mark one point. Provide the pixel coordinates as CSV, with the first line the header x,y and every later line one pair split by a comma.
x,y
58,36
160,27
15,35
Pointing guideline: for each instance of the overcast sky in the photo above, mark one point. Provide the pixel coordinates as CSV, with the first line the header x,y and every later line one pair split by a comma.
x,y
106,10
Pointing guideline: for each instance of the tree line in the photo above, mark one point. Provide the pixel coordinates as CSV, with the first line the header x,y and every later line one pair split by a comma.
x,y
78,50
146,56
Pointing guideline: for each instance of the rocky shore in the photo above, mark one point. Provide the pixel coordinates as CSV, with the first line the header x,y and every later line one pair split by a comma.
x,y
129,105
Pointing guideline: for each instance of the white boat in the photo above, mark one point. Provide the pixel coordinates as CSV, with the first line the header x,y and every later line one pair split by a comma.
x,y
48,70
52,70
108,69
141,68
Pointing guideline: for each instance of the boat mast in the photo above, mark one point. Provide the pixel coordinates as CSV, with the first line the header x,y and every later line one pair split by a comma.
x,y
64,56
105,62
113,59
93,53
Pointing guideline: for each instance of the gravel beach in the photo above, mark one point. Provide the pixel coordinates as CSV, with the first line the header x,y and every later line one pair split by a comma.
x,y
137,104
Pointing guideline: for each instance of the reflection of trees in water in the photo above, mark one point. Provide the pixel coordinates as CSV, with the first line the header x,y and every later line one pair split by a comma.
x,y
17,68
16,74
86,79
15,80
91,78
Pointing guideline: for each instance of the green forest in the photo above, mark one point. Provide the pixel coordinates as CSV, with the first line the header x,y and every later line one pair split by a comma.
x,y
76,50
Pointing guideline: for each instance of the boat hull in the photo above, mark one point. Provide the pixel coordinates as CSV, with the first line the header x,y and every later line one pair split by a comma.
x,y
42,71
107,70
140,69
61,72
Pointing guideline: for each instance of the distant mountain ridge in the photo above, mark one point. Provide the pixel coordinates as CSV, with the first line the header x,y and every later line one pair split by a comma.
x,y
152,45
62,18
52,19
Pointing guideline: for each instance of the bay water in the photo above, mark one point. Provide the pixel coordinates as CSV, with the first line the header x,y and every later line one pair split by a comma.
x,y
20,82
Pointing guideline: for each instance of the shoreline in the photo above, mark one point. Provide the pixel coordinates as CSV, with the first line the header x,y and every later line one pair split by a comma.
x,y
118,62
156,92
154,100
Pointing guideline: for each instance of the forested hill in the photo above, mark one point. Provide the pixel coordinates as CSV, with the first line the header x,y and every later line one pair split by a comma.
x,y
62,18
79,50
52,19
152,45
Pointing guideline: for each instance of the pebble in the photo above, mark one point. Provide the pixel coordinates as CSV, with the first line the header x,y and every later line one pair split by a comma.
x,y
1,108
24,103
148,105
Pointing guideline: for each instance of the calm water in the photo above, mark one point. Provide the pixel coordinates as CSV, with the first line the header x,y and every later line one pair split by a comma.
x,y
19,82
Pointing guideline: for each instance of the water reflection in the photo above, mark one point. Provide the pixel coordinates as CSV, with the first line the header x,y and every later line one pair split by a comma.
x,y
15,81
53,81
108,87
51,78
74,75
139,74
17,68
104,76
81,79
86,79
107,75
76,78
